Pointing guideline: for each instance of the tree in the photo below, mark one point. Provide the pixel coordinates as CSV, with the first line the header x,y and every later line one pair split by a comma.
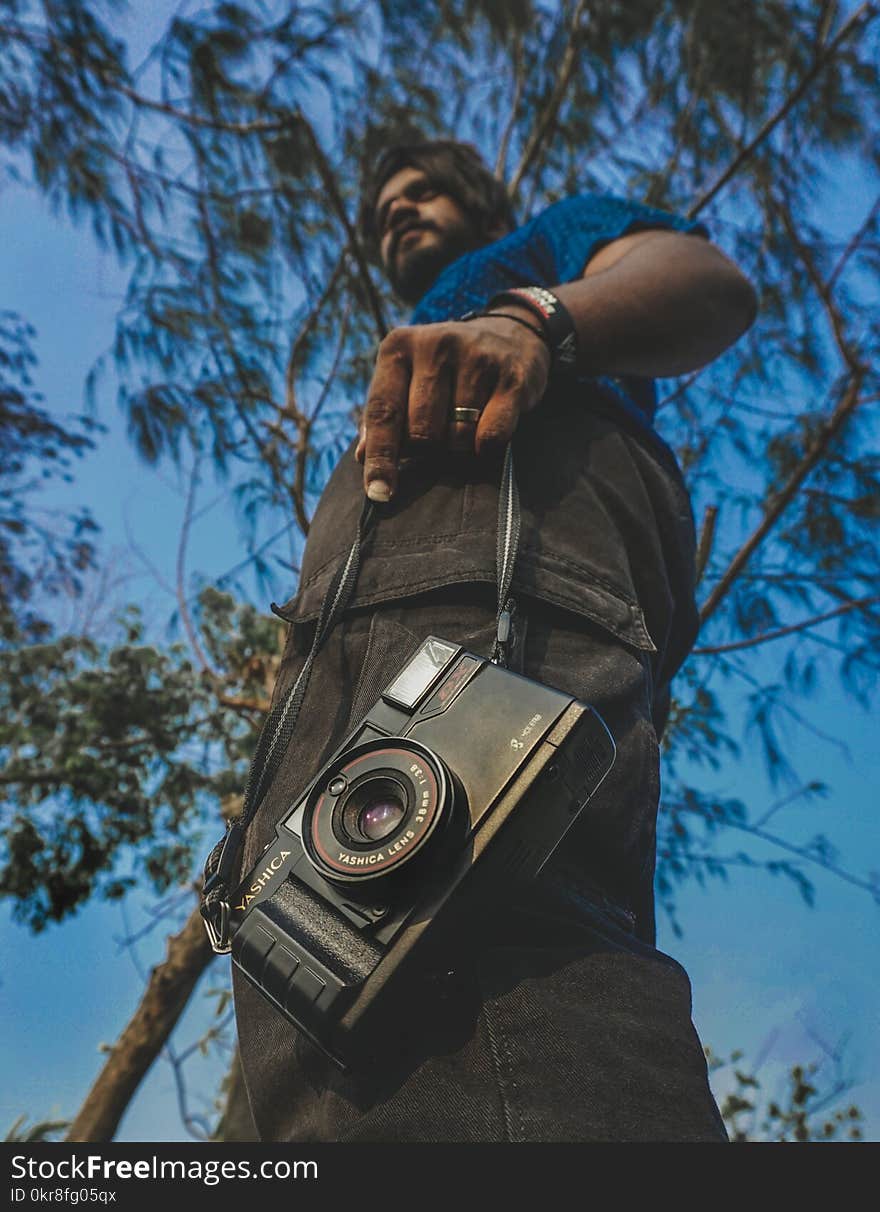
x,y
808,1110
225,170
37,555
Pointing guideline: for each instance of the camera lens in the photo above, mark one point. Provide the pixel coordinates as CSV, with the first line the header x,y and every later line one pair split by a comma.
x,y
374,808
380,817
371,808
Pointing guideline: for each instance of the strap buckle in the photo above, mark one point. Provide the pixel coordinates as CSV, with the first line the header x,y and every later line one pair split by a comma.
x,y
218,937
215,910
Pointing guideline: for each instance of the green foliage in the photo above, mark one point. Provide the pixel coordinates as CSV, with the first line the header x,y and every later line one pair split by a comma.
x,y
811,1109
60,75
40,554
114,750
41,1130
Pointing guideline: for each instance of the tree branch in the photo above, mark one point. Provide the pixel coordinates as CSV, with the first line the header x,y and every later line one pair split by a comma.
x,y
291,412
299,341
242,704
182,604
169,988
187,118
814,452
707,535
551,110
826,433
328,178
519,82
853,244
802,852
766,636
868,9
822,288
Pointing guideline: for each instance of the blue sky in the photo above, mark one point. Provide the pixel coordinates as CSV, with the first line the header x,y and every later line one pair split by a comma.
x,y
771,977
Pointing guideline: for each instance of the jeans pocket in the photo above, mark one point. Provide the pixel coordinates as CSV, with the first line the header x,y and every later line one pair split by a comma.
x,y
396,629
389,643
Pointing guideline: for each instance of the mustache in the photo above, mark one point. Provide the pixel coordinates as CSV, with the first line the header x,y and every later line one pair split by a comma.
x,y
421,225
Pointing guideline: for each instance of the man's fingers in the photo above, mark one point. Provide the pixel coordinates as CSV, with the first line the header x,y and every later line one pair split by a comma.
x,y
430,395
499,418
450,385
473,389
385,421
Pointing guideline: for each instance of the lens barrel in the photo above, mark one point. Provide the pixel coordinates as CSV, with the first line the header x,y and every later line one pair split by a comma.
x,y
374,808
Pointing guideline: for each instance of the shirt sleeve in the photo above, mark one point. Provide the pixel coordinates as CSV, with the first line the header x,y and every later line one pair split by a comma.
x,y
550,249
568,234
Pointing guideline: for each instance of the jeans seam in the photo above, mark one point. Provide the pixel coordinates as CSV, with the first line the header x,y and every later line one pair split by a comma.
x,y
497,1045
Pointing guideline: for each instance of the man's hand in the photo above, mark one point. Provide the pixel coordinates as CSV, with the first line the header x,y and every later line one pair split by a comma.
x,y
491,365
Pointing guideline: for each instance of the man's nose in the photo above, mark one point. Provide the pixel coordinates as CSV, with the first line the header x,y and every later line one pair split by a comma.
x,y
401,208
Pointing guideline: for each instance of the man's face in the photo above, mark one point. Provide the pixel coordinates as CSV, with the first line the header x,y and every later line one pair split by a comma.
x,y
421,231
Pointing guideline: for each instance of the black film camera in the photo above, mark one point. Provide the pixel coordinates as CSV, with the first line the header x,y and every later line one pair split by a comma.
x,y
461,780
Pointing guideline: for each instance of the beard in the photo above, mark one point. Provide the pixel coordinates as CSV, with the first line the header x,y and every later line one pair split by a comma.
x,y
412,271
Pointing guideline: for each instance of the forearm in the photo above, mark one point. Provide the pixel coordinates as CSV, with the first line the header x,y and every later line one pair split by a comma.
x,y
652,304
668,306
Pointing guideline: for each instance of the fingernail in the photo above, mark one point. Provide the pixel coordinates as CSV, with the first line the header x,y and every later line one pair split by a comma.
x,y
378,490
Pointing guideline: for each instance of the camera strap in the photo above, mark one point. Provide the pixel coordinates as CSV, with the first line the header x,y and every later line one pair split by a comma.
x,y
505,557
221,864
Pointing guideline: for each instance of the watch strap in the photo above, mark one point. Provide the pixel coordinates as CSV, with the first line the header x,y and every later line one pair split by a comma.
x,y
554,317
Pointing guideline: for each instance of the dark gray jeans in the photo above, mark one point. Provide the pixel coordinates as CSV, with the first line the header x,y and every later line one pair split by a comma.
x,y
553,1020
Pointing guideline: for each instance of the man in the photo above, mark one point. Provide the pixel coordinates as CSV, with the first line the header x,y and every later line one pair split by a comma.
x,y
555,1018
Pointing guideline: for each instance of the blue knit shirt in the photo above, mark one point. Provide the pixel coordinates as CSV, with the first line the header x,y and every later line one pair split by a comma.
x,y
549,250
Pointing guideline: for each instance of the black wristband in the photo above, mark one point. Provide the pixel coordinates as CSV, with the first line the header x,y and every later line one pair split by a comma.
x,y
556,322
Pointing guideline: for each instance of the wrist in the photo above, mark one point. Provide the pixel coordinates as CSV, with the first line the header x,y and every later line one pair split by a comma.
x,y
516,323
522,327
520,315
549,312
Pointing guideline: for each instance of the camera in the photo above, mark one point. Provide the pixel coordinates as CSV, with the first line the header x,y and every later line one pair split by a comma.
x,y
458,783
